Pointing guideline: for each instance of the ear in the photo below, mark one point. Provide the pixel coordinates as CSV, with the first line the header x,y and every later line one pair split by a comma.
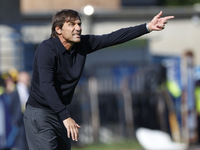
x,y
58,30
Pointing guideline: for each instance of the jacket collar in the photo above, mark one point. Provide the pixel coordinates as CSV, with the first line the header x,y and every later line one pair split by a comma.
x,y
61,48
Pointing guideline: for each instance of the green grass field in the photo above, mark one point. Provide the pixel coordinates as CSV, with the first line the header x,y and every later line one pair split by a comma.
x,y
123,145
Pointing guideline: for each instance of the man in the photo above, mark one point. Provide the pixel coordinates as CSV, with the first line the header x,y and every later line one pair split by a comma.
x,y
58,64
18,99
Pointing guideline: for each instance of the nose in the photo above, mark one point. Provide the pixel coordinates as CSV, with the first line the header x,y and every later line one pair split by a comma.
x,y
78,27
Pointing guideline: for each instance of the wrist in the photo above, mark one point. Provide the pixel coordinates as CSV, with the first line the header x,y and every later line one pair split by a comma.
x,y
148,27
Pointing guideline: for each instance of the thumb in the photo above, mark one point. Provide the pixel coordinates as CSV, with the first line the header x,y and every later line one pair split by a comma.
x,y
78,126
159,15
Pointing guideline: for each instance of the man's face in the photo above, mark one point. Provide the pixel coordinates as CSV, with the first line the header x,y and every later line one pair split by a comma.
x,y
71,31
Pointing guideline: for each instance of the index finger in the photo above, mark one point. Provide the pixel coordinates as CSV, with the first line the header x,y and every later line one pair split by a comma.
x,y
168,17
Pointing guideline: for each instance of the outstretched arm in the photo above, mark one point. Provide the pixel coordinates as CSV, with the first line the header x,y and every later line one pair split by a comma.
x,y
158,22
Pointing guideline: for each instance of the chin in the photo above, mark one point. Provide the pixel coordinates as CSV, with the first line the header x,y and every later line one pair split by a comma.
x,y
77,40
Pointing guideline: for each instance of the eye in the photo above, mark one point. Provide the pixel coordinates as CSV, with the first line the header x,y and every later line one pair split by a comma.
x,y
71,24
79,24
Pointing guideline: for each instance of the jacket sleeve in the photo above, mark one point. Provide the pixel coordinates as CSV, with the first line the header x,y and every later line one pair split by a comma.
x,y
97,42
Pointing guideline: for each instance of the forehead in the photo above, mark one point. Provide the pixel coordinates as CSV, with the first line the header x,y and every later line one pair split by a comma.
x,y
72,19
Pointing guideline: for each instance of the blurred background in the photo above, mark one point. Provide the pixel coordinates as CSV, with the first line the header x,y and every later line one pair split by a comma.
x,y
151,82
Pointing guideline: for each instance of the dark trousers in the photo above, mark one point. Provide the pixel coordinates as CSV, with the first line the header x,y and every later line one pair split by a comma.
x,y
45,130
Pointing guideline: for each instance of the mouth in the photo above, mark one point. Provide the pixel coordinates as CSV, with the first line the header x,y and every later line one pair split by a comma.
x,y
77,35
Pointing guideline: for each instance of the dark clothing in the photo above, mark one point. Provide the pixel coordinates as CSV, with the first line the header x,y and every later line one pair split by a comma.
x,y
17,121
7,134
45,129
57,71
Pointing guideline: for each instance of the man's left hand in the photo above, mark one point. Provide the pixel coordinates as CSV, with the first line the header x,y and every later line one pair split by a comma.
x,y
158,23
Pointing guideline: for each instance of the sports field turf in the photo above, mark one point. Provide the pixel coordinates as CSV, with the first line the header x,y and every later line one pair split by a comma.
x,y
123,145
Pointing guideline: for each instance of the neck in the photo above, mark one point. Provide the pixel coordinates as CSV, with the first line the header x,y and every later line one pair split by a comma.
x,y
66,44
